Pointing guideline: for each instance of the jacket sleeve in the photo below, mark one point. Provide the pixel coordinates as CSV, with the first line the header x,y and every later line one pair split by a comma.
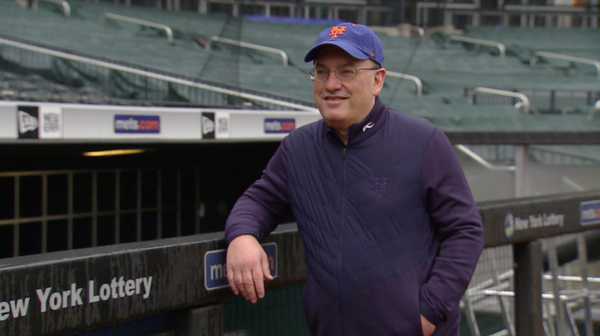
x,y
456,221
264,204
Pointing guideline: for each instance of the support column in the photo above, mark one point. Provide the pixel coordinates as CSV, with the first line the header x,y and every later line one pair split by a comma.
x,y
203,6
532,21
236,9
362,15
524,16
528,288
521,167
476,19
448,17
523,20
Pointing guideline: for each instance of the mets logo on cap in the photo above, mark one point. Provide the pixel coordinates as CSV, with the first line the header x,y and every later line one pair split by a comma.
x,y
337,30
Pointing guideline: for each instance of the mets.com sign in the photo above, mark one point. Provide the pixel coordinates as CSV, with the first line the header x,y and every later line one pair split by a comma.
x,y
589,212
137,124
215,268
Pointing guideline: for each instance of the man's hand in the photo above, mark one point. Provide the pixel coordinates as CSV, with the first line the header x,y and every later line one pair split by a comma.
x,y
428,327
247,266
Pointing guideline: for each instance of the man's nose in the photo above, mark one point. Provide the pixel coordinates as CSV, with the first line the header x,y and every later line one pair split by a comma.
x,y
332,83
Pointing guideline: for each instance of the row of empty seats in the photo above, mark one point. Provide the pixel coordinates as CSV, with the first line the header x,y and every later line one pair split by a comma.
x,y
448,71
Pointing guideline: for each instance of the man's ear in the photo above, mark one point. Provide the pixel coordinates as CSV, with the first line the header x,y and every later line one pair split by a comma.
x,y
378,80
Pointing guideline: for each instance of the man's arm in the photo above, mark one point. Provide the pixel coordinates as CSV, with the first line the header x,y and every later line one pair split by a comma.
x,y
458,226
253,217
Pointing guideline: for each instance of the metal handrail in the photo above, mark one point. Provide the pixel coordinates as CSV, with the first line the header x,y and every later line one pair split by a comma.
x,y
419,30
500,46
481,89
544,8
415,79
563,57
572,278
63,3
140,22
156,76
483,161
593,111
248,45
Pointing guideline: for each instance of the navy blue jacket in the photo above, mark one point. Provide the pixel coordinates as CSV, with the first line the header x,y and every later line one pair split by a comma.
x,y
389,226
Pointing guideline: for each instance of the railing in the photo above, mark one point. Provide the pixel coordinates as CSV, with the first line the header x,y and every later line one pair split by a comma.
x,y
500,46
243,44
546,100
480,89
563,57
419,30
169,276
527,13
149,74
482,161
415,79
140,22
65,5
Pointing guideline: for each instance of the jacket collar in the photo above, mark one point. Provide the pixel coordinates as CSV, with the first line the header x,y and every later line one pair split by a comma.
x,y
364,129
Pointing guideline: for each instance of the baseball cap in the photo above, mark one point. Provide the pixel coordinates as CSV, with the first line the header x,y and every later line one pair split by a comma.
x,y
357,40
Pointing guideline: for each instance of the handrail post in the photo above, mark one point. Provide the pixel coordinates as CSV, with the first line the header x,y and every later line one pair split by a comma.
x,y
140,22
248,45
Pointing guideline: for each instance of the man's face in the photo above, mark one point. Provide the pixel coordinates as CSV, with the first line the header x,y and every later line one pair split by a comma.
x,y
345,103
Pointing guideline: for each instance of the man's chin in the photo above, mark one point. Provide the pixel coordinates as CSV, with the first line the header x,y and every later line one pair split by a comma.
x,y
333,119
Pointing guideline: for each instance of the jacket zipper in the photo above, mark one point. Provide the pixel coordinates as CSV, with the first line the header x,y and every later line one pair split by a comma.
x,y
341,242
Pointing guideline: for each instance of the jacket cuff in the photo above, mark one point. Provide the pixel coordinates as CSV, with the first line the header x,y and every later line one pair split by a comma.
x,y
230,237
429,312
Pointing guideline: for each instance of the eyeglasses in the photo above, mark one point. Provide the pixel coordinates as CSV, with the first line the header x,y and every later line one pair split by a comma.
x,y
342,73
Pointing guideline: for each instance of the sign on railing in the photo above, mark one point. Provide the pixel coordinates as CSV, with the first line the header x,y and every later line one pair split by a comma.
x,y
215,268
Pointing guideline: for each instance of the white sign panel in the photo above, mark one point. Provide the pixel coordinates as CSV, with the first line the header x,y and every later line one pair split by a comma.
x,y
50,122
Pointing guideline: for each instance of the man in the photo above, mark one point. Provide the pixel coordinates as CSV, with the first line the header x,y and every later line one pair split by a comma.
x,y
390,230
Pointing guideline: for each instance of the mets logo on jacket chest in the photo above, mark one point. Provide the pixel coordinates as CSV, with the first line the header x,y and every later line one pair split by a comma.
x,y
380,185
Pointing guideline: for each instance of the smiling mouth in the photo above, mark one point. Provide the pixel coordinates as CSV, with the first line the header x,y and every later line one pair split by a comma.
x,y
334,98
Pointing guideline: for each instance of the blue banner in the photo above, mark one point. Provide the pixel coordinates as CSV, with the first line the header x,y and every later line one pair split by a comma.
x,y
279,125
215,268
137,124
589,212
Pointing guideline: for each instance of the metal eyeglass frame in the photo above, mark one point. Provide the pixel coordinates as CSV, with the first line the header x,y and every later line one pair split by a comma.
x,y
312,73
